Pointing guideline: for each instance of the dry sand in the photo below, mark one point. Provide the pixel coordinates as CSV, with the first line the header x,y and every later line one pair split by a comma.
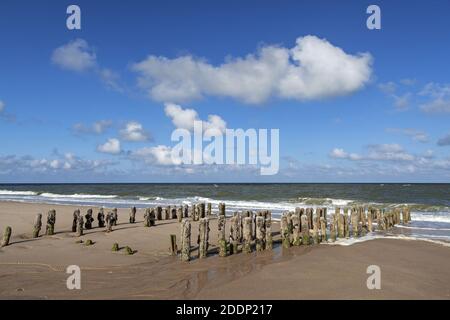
x,y
35,268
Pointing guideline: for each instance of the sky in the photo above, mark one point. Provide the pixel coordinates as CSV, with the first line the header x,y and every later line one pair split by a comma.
x,y
100,104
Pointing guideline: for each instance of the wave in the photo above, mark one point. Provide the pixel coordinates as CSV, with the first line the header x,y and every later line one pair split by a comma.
x,y
18,193
77,196
369,237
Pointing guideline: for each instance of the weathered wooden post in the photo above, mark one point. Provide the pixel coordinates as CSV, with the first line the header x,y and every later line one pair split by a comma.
x,y
173,212
109,221
362,218
192,212
152,218
185,211
209,209
355,222
341,226
234,233
323,229
173,245
305,229
221,236
37,225
346,224
89,219
333,227
158,213
202,210
185,240
268,228
180,214
115,216
221,209
51,220
369,221
6,237
309,215
147,217
285,234
133,215
247,233
76,213
80,224
379,218
260,233
316,227
203,238
296,239
115,247
101,218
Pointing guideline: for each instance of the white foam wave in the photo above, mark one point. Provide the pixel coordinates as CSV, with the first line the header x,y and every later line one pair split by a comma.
x,y
17,193
77,196
369,237
434,217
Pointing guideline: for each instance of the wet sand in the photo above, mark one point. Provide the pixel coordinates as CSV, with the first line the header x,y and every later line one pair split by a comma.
x,y
35,268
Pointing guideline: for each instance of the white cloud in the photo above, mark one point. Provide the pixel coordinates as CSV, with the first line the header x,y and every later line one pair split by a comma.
x,y
184,119
134,131
160,155
416,135
440,94
438,105
444,141
312,69
382,152
75,56
111,146
97,127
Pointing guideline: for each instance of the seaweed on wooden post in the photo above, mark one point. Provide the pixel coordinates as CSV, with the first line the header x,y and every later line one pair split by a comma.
x,y
37,225
234,233
323,229
296,239
333,227
185,240
51,220
89,219
173,245
268,229
76,213
80,223
221,236
101,218
260,233
6,237
133,215
209,209
247,233
115,247
305,229
285,234
203,237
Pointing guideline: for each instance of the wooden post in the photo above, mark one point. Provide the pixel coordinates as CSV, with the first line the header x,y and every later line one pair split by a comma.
x,y
158,213
76,213
51,219
192,212
185,211
6,237
173,245
333,227
323,229
202,210
115,247
209,209
309,215
180,214
362,218
109,221
221,209
316,227
296,239
147,217
260,233
221,236
355,222
203,238
341,226
379,219
37,225
133,215
101,218
185,240
235,232
268,228
80,223
285,234
305,229
173,212
369,221
247,233
166,213
89,219
115,216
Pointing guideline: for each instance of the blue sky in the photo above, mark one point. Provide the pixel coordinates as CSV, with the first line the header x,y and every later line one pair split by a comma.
x,y
352,104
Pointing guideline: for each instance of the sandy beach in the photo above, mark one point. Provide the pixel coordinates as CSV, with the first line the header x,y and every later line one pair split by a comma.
x,y
35,268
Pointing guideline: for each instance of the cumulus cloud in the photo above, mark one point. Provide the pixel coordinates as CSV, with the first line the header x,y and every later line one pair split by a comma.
x,y
440,98
416,135
76,55
312,69
185,118
160,155
112,146
444,141
134,131
97,127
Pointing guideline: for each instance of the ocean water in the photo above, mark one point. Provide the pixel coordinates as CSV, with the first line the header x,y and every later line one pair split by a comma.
x,y
429,203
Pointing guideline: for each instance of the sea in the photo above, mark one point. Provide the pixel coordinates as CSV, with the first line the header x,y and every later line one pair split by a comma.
x,y
429,203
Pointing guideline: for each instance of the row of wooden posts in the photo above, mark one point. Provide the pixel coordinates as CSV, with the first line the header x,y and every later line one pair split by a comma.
x,y
300,227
